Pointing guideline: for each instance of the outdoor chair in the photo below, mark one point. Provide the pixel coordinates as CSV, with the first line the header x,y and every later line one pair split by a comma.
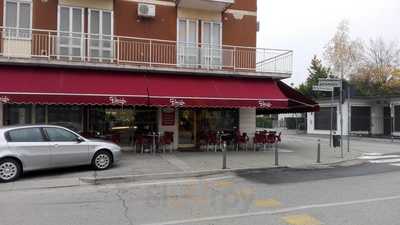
x,y
259,138
271,139
167,139
241,139
213,140
141,141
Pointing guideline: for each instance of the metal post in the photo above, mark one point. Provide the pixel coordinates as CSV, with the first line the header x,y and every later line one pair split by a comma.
x,y
348,118
276,154
223,158
341,118
330,135
319,151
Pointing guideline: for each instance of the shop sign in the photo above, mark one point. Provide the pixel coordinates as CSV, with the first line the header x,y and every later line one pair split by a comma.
x,y
4,99
118,101
168,117
176,103
264,104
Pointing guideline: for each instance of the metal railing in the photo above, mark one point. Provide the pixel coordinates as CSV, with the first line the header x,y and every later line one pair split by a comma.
x,y
143,52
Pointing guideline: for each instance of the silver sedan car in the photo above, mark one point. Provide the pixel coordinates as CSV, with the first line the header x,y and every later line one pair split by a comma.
x,y
27,148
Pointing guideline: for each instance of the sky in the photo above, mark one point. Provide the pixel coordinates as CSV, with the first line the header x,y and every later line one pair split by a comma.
x,y
306,26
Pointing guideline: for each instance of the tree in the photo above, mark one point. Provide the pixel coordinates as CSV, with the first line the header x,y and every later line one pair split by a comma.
x,y
315,72
342,53
378,73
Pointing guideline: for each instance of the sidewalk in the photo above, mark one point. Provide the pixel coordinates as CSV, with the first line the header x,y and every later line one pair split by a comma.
x,y
296,151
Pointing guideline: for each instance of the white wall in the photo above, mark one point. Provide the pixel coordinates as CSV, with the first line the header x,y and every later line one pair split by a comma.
x,y
170,128
311,121
247,121
377,124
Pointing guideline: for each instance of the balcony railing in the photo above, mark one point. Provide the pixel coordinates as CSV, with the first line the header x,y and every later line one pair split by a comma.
x,y
141,52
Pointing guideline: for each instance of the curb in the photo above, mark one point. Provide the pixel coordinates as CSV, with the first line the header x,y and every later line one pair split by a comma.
x,y
162,176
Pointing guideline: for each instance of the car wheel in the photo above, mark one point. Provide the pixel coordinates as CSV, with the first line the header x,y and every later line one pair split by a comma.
x,y
10,170
102,160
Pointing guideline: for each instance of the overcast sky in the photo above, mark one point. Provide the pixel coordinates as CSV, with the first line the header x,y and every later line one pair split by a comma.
x,y
306,26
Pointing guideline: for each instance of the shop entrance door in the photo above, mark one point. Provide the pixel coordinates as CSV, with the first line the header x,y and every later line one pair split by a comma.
x,y
187,128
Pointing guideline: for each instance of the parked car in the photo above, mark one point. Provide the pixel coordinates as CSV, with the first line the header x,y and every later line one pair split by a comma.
x,y
34,147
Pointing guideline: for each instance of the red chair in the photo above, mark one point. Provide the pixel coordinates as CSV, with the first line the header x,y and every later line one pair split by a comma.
x,y
278,138
271,138
212,140
241,139
259,138
167,139
141,141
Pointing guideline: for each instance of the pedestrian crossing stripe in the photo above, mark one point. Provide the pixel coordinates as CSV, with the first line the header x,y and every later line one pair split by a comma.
x,y
372,154
379,157
385,161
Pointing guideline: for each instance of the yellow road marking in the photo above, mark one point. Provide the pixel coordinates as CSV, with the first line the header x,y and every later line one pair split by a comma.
x,y
245,192
224,184
301,219
267,203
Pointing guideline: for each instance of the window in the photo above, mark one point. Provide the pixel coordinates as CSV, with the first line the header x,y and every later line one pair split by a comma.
x,y
101,30
18,18
17,114
323,119
57,134
360,118
211,51
25,135
66,116
70,32
187,43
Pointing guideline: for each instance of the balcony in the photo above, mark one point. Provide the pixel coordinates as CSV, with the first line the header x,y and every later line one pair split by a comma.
x,y
209,5
139,54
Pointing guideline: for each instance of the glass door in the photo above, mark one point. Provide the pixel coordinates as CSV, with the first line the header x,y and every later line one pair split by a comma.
x,y
187,128
187,43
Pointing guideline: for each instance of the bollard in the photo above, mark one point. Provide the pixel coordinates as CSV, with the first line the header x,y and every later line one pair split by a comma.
x,y
223,157
319,151
276,154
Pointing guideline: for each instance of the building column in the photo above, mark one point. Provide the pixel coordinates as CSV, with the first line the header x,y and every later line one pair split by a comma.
x,y
1,114
247,121
377,119
173,128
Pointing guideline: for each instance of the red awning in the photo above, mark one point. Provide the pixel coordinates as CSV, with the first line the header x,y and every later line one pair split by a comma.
x,y
27,85
212,92
68,86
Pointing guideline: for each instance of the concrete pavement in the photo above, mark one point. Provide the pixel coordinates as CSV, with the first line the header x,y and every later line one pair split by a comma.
x,y
346,196
296,151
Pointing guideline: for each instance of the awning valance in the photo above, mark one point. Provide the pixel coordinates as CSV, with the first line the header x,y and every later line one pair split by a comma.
x,y
25,85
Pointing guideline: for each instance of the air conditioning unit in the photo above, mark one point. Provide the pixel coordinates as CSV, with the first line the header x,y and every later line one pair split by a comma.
x,y
146,10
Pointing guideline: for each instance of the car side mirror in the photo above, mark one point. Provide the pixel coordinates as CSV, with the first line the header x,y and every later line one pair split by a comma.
x,y
79,139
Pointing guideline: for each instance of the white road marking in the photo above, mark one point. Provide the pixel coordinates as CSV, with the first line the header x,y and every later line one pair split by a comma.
x,y
395,164
379,157
385,161
277,211
372,154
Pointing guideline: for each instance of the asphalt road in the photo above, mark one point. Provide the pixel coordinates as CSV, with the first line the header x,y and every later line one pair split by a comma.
x,y
366,194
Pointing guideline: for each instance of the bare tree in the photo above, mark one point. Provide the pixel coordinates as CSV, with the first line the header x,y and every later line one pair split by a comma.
x,y
379,69
342,53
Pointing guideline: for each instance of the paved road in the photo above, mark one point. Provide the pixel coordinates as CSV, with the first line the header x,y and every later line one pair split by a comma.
x,y
366,194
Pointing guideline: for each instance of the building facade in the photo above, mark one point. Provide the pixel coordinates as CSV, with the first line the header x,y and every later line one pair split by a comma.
x,y
370,116
119,67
